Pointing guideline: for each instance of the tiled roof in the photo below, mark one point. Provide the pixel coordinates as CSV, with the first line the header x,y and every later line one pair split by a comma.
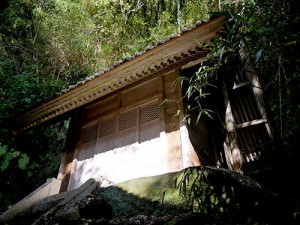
x,y
184,30
173,52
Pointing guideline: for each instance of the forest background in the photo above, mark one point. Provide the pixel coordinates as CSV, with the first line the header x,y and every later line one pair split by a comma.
x,y
47,45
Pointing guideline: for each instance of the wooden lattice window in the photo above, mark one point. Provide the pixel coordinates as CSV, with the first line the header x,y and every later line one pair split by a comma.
x,y
107,127
128,119
149,122
89,138
90,133
135,125
149,112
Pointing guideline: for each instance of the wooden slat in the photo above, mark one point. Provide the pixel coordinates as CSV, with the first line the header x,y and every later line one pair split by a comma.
x,y
239,85
251,123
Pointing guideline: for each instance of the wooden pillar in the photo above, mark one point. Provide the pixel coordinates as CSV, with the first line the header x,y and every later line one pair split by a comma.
x,y
232,152
180,152
69,150
172,122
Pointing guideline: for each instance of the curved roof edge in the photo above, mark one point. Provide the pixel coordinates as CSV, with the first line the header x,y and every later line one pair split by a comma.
x,y
177,49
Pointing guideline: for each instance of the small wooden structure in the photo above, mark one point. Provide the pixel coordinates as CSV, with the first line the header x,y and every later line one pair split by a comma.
x,y
125,121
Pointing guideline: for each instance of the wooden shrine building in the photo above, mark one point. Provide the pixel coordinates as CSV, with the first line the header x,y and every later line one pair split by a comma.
x,y
128,121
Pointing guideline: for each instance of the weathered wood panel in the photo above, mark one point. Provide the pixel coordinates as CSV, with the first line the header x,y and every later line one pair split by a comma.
x,y
139,137
102,108
138,94
172,122
125,145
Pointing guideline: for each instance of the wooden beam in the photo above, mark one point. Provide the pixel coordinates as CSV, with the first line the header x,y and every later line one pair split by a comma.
x,y
251,123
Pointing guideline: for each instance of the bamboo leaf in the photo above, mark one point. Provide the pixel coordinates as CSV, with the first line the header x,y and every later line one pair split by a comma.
x,y
221,53
258,55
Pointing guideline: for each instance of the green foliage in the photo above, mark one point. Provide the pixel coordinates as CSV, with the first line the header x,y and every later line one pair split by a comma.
x,y
124,204
213,195
23,161
202,195
5,160
193,11
196,90
3,149
266,31
7,155
212,191
69,37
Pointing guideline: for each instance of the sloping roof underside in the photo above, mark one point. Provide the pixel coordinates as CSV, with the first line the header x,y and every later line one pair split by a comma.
x,y
174,51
